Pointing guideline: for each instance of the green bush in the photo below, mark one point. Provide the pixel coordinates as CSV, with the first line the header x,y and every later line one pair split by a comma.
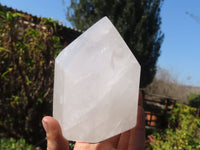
x,y
27,53
194,100
183,132
12,144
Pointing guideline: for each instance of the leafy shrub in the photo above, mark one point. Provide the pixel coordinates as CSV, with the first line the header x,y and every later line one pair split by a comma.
x,y
194,100
183,132
12,144
27,53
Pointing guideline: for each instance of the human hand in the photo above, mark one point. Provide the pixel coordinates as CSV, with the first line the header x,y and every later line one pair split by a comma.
x,y
133,139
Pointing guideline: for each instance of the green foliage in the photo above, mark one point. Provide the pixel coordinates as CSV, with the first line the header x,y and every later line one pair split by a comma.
x,y
138,21
27,53
183,132
12,144
194,100
71,145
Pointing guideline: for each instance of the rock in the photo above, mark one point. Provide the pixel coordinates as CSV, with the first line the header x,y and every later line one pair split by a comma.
x,y
96,85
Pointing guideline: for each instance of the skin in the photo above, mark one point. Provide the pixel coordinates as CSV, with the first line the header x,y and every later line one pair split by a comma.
x,y
133,139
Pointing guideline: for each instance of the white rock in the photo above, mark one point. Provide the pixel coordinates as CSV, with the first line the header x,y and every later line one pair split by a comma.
x,y
96,85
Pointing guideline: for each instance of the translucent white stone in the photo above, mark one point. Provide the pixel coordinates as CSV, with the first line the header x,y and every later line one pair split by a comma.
x,y
96,85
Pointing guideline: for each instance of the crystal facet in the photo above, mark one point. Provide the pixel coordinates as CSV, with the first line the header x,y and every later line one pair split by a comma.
x,y
96,85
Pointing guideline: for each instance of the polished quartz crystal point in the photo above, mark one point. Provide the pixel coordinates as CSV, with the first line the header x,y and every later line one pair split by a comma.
x,y
96,85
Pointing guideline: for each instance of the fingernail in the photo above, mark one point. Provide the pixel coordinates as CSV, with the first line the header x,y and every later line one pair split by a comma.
x,y
45,124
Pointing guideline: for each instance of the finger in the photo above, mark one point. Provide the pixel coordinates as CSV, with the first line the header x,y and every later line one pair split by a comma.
x,y
91,146
85,146
55,139
126,137
137,137
124,141
113,141
140,101
109,144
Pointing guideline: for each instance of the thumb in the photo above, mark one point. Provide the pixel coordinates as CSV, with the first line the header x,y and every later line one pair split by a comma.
x,y
55,139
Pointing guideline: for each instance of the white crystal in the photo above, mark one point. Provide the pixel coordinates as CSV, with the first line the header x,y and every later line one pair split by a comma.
x,y
96,85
